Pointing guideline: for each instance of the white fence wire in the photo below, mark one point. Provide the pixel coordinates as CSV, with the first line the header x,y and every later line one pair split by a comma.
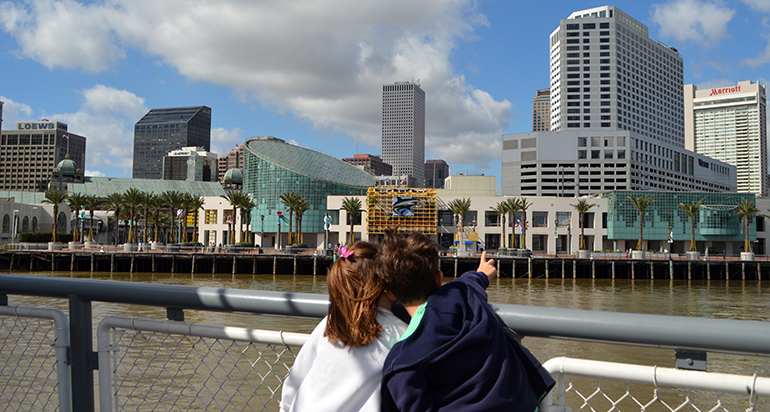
x,y
586,385
150,365
34,371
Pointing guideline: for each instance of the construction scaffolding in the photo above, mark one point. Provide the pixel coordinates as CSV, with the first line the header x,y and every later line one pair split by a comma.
x,y
407,209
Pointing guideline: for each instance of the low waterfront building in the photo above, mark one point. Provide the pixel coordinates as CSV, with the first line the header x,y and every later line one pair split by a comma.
x,y
371,163
25,212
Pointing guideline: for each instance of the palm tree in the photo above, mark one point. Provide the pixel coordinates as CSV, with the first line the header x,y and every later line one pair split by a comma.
x,y
747,209
114,203
173,200
91,204
641,203
352,207
236,200
582,207
187,206
513,207
523,206
290,199
132,199
691,209
301,207
148,204
459,208
196,204
502,210
55,197
157,205
75,202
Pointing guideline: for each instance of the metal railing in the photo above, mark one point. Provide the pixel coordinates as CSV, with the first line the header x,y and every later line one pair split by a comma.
x,y
688,336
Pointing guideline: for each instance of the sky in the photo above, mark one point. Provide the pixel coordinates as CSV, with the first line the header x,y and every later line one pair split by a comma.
x,y
311,72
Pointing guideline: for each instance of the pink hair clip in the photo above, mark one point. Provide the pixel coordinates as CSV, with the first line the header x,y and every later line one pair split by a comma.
x,y
344,252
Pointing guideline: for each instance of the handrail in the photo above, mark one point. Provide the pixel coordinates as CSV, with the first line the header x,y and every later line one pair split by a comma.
x,y
672,332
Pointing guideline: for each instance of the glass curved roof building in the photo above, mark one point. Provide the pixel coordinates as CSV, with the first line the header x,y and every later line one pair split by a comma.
x,y
274,167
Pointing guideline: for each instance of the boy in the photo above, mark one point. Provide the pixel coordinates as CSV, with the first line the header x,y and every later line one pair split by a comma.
x,y
454,356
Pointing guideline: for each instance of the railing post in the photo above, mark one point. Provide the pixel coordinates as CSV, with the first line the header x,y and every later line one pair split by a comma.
x,y
82,358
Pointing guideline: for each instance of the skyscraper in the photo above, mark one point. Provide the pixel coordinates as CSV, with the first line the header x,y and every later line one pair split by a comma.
x,y
163,130
436,170
730,124
541,111
403,129
29,154
617,117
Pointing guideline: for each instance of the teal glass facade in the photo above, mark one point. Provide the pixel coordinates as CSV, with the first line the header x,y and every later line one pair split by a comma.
x,y
272,168
716,220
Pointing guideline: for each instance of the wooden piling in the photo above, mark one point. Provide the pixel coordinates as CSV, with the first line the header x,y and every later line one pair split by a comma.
x,y
192,269
153,262
529,267
112,262
708,270
275,263
513,268
253,265
132,263
92,262
613,270
213,264
633,269
72,262
173,263
574,268
547,269
593,269
13,256
563,269
295,264
743,270
53,261
689,270
315,264
234,264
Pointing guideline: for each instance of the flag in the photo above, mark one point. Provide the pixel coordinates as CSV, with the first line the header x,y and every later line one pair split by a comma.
x,y
65,136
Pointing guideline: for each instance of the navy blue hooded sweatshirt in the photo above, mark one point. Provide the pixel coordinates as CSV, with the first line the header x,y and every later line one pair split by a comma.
x,y
459,358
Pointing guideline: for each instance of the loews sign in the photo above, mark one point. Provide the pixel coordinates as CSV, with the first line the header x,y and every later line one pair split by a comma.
x,y
36,126
724,90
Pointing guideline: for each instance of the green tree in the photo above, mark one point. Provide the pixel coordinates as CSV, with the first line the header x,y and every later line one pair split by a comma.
x,y
301,207
236,199
459,208
132,199
195,205
91,203
502,209
149,200
582,207
746,208
641,203
513,207
290,200
691,209
352,207
114,203
55,197
157,206
172,199
76,202
523,206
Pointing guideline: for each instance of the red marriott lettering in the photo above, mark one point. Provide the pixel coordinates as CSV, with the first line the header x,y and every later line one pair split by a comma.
x,y
724,90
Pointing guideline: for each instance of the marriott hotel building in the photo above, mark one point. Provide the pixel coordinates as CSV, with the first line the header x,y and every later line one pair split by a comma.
x,y
617,117
730,124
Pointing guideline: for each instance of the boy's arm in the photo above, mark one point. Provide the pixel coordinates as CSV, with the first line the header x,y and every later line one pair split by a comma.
x,y
406,391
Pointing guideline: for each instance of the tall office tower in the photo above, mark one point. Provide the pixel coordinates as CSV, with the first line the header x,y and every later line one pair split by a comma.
x,y
435,173
163,130
29,154
403,129
617,117
541,111
232,160
730,124
606,73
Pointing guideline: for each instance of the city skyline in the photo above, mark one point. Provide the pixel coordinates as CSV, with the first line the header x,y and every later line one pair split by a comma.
x,y
479,77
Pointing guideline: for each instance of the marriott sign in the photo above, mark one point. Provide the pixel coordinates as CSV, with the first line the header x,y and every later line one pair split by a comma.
x,y
724,90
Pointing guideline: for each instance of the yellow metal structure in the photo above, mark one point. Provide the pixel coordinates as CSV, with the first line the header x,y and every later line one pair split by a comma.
x,y
386,206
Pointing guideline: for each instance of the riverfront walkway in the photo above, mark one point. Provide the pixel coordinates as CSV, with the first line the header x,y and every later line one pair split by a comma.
x,y
600,266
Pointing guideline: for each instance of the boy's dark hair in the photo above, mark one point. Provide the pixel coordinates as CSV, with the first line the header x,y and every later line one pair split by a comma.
x,y
407,265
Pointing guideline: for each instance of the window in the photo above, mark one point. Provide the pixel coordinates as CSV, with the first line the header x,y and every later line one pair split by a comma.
x,y
563,218
539,219
211,217
6,224
588,26
595,154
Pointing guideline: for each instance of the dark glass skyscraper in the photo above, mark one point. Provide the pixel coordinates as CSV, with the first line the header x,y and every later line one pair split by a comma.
x,y
163,130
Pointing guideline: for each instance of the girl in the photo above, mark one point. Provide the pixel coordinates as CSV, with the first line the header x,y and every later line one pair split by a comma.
x,y
340,366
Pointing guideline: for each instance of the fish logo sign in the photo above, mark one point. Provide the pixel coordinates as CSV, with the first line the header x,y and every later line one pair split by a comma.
x,y
402,206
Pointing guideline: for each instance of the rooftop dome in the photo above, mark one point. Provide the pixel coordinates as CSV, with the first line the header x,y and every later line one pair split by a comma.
x,y
233,176
67,167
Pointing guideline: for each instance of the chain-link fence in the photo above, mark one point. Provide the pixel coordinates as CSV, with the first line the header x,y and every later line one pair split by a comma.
x,y
584,385
34,375
175,366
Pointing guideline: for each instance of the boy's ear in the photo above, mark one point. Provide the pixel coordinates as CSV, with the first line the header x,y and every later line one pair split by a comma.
x,y
439,279
390,295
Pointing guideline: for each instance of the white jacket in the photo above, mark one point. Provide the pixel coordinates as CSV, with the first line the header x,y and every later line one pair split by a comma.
x,y
328,377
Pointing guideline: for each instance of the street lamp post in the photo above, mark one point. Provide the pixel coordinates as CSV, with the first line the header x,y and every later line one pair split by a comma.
x,y
556,236
262,236
15,226
327,226
278,245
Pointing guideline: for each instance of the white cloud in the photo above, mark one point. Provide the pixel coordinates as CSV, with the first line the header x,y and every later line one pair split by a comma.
x,y
14,112
323,62
106,119
758,5
716,83
95,173
693,20
224,140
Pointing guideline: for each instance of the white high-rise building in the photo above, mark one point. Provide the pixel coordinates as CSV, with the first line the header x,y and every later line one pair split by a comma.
x,y
403,129
617,117
730,124
606,73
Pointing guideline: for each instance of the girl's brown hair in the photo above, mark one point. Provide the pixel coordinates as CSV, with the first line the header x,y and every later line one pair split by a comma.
x,y
354,294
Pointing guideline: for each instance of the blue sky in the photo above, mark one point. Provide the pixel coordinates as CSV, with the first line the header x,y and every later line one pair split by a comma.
x,y
310,72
